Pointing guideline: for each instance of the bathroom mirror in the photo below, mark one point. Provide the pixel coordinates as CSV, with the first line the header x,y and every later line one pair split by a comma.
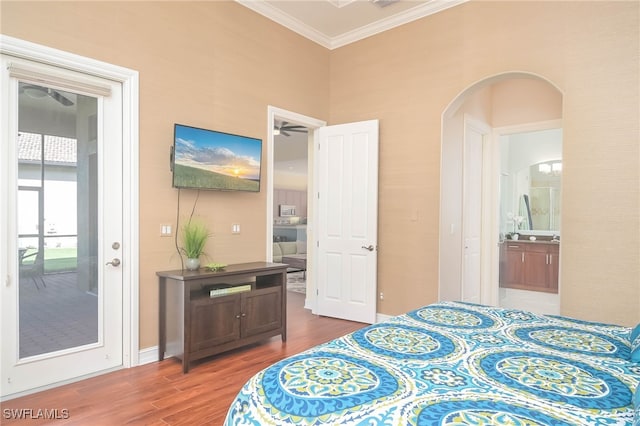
x,y
531,182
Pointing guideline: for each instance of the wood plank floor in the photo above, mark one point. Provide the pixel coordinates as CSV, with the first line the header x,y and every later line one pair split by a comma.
x,y
159,394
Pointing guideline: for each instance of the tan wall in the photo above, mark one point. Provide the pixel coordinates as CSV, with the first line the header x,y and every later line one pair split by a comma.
x,y
218,65
215,65
406,77
518,101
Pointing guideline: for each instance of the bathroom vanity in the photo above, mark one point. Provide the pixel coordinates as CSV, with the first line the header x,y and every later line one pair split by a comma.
x,y
530,265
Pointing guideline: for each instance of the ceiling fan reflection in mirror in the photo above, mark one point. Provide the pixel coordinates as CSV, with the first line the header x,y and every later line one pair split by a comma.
x,y
37,92
284,127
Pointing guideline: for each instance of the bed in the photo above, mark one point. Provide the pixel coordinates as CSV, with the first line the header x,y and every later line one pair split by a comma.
x,y
452,363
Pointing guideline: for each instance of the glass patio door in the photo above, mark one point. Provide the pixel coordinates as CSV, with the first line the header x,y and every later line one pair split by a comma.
x,y
62,318
58,289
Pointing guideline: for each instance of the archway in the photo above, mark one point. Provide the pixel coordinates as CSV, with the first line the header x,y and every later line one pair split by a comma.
x,y
499,104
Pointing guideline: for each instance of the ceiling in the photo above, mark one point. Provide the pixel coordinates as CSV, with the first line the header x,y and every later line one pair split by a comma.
x,y
335,23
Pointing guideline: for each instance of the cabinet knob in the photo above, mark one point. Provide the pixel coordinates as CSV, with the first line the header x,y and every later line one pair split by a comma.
x,y
237,316
243,315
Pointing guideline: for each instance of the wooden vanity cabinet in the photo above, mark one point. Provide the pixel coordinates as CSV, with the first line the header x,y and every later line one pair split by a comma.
x,y
512,264
554,265
536,271
529,266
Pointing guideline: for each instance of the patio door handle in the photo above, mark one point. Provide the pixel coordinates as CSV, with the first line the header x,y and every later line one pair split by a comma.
x,y
114,262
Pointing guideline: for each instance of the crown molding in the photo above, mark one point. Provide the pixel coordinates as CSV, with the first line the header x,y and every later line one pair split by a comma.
x,y
402,18
279,17
341,3
267,10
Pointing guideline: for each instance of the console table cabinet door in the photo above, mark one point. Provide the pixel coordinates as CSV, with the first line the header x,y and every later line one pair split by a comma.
x,y
261,311
214,321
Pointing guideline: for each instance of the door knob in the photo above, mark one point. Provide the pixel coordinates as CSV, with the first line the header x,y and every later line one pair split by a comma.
x,y
369,247
114,262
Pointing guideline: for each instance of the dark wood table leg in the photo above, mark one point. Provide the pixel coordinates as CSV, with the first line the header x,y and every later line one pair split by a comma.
x,y
162,318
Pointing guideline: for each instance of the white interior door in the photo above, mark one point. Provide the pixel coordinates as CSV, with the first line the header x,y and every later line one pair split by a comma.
x,y
472,210
62,301
347,221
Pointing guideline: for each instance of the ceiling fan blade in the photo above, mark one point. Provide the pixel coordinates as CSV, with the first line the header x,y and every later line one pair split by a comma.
x,y
293,126
296,129
60,98
282,132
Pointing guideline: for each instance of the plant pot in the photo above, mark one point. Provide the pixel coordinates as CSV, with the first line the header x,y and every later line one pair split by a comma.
x,y
193,264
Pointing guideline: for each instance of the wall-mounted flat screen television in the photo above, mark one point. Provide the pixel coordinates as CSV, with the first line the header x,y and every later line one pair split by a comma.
x,y
208,159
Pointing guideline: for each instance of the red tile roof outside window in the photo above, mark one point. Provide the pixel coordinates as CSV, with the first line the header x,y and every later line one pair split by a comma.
x,y
57,149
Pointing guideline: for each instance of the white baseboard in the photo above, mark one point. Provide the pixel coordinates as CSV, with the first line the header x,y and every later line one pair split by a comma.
x,y
382,317
148,355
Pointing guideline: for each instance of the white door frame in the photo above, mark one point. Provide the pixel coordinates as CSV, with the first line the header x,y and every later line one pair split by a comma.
x,y
493,239
312,124
130,244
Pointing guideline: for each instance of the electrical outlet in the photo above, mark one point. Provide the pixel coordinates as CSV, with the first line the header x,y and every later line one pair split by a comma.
x,y
166,231
235,228
381,296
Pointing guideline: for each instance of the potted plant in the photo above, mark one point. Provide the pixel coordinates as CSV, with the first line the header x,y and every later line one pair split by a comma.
x,y
194,238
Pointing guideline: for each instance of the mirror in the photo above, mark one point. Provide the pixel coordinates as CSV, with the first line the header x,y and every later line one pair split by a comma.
x,y
531,181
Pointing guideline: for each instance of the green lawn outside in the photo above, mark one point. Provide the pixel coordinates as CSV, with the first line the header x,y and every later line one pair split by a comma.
x,y
58,259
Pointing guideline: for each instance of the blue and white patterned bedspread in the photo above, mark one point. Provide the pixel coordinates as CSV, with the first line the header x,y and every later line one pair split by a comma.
x,y
452,364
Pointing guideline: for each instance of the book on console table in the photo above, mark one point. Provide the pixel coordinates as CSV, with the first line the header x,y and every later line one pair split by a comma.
x,y
222,290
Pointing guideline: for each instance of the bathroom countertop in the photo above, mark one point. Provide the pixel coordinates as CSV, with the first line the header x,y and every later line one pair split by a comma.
x,y
528,241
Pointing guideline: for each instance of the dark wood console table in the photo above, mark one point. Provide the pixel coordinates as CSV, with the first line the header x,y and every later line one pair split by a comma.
x,y
194,325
